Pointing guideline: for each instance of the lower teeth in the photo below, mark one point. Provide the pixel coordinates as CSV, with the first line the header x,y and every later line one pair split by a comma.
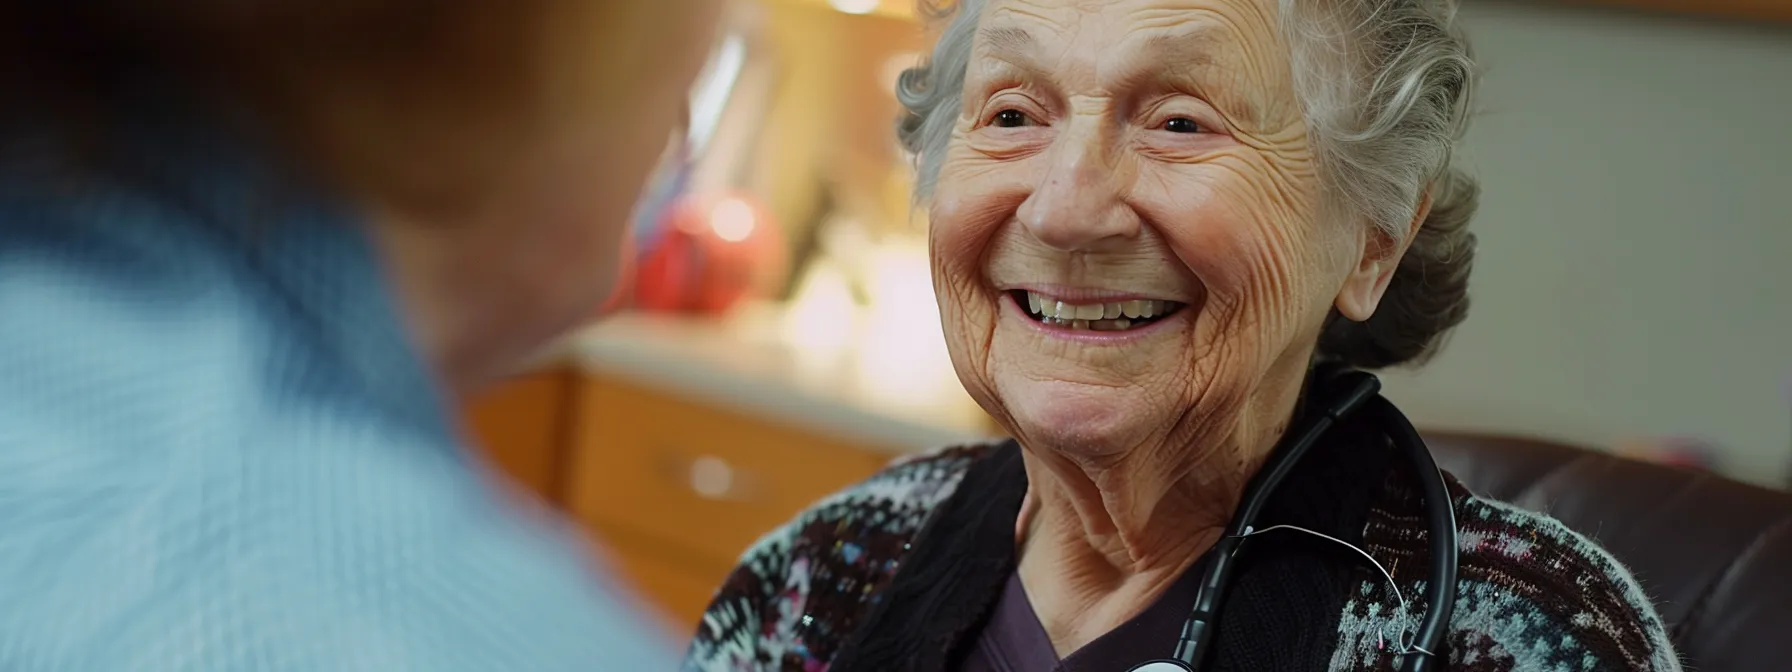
x,y
1116,324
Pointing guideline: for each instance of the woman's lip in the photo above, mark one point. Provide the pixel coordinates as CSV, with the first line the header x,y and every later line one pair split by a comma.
x,y
1085,295
1014,310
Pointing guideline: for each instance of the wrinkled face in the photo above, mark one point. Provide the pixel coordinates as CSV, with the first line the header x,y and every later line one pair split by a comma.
x,y
1128,238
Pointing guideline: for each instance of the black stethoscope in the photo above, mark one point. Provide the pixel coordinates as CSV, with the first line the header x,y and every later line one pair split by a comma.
x,y
1348,391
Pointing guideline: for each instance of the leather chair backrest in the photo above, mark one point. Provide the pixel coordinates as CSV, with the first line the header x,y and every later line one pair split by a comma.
x,y
1715,554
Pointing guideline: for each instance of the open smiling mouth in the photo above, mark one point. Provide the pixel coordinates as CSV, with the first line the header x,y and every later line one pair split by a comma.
x,y
1109,316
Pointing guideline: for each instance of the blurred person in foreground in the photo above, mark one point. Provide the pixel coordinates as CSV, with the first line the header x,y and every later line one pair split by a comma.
x,y
250,253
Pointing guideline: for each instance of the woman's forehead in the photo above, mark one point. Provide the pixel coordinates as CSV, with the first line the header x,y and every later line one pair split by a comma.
x,y
1196,34
1224,48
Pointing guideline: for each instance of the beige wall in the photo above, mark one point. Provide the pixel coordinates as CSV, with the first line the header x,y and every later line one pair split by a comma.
x,y
1635,276
833,119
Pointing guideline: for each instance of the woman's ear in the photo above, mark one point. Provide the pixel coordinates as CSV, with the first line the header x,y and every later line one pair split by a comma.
x,y
1368,281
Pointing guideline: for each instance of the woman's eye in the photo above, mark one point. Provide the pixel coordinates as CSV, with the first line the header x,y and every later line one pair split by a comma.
x,y
1182,125
1010,119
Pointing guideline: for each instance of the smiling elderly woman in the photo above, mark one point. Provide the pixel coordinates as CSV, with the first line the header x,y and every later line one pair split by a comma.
x,y
1152,222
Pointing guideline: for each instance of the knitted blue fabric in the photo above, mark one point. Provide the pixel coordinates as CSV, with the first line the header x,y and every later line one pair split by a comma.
x,y
219,452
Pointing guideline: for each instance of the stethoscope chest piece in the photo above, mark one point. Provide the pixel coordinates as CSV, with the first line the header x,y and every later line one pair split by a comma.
x,y
1160,666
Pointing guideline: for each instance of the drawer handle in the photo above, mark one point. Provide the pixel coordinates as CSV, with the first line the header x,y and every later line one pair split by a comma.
x,y
708,476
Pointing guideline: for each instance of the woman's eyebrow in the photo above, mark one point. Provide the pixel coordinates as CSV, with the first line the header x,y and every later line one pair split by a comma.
x,y
1008,42
1191,50
1011,49
1195,59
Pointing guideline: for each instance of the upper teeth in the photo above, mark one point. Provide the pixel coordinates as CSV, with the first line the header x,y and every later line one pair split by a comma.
x,y
1049,307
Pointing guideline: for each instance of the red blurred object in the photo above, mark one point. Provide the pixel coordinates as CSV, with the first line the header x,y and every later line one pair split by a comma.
x,y
709,253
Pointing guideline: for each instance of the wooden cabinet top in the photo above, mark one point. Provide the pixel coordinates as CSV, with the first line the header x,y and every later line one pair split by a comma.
x,y
891,390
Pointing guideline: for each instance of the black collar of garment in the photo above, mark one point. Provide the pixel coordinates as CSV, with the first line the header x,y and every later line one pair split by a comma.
x,y
1281,613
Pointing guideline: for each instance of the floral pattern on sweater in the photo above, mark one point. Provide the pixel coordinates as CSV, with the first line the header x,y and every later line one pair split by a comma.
x,y
1531,595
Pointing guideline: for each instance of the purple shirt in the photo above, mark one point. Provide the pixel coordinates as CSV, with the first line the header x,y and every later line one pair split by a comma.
x,y
1013,639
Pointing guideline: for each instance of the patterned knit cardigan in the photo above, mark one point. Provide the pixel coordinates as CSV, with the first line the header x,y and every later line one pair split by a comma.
x,y
1532,594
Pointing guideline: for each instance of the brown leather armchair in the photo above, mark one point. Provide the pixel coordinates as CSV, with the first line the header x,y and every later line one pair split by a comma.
x,y
1715,554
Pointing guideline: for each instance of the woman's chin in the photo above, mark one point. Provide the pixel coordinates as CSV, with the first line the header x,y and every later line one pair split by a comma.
x,y
1079,420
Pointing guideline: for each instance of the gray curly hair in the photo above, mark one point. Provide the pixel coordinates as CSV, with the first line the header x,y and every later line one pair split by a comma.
x,y
1386,87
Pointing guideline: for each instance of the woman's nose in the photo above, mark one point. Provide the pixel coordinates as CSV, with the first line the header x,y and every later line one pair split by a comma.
x,y
1077,205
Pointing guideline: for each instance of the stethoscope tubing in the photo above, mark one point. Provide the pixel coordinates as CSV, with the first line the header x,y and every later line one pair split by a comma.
x,y
1363,392
1440,511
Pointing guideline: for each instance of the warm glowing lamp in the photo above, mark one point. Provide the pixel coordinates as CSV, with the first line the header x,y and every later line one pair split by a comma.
x,y
855,6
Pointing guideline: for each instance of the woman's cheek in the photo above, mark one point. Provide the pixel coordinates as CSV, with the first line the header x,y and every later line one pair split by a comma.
x,y
957,238
1256,267
967,213
970,204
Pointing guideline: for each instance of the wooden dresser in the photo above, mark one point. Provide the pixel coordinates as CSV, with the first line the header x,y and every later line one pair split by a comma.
x,y
674,481
675,489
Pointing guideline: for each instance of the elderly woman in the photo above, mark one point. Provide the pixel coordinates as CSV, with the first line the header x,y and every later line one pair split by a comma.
x,y
1151,219
249,252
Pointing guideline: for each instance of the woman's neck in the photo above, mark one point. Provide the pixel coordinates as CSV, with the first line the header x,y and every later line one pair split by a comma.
x,y
1097,548
1100,542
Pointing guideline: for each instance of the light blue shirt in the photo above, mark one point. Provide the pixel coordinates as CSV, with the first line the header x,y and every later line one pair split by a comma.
x,y
219,452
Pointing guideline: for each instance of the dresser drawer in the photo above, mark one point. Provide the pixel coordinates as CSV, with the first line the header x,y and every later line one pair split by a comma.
x,y
695,476
522,427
